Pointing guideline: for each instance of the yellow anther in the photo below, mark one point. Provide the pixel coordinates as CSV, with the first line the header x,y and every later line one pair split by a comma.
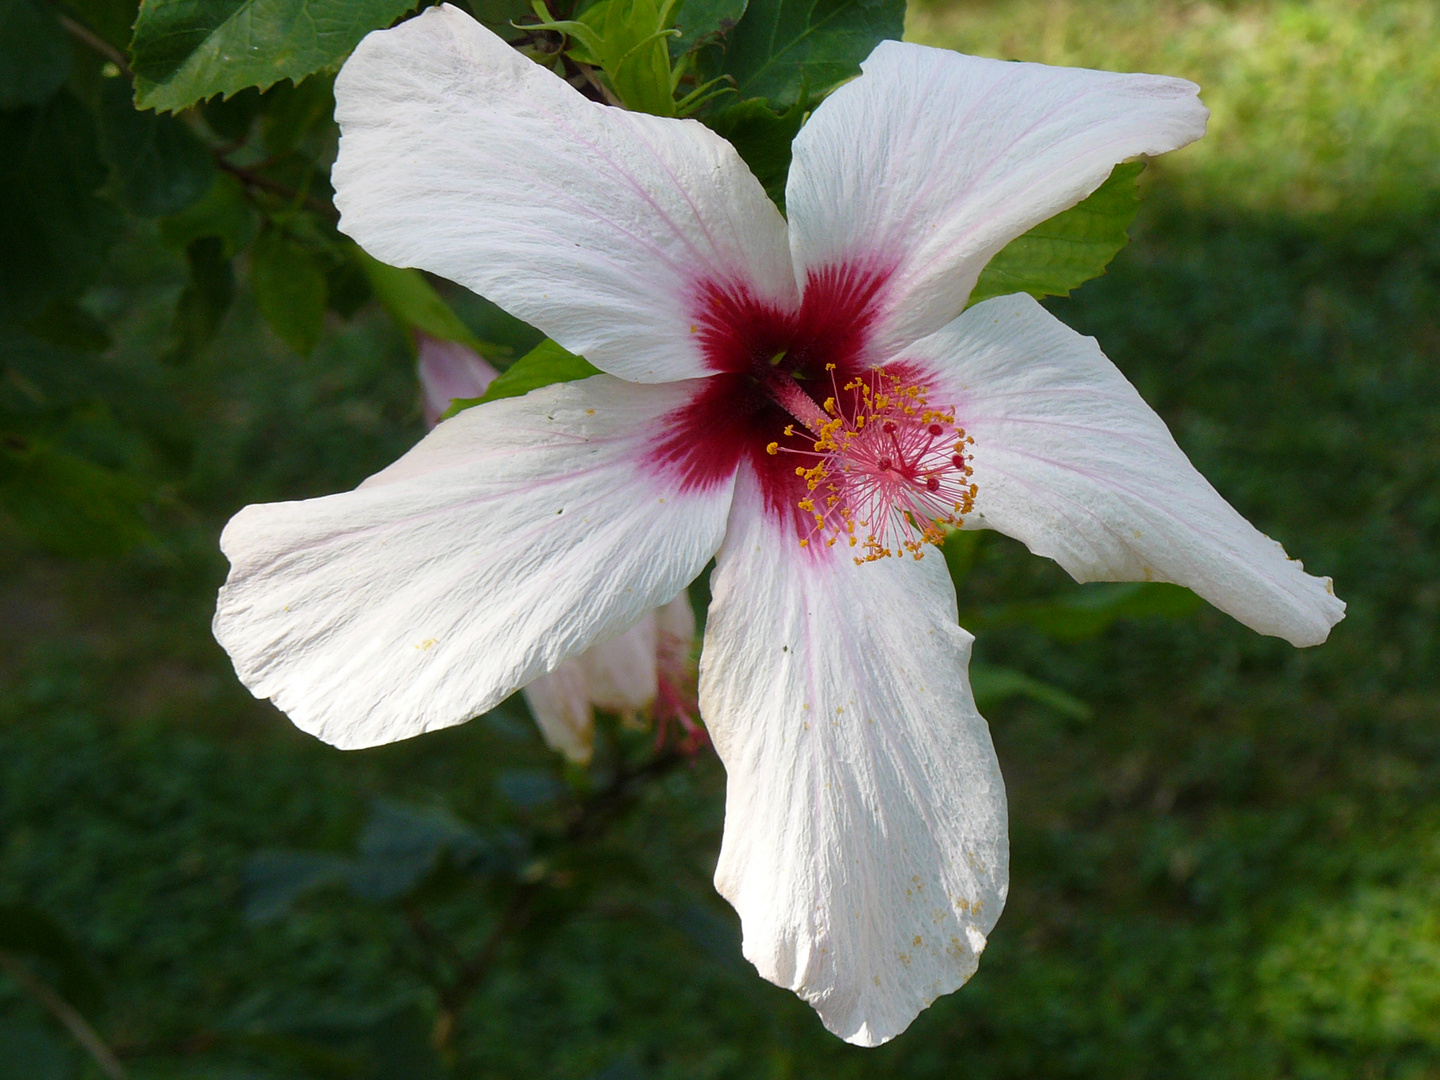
x,y
773,448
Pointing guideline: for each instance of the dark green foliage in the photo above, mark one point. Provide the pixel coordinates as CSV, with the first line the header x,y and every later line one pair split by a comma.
x,y
415,305
66,323
1223,849
33,1053
206,296
185,51
29,935
223,213
294,111
782,47
55,228
1063,253
763,139
290,289
110,20
34,54
160,167
700,21
65,503
1089,611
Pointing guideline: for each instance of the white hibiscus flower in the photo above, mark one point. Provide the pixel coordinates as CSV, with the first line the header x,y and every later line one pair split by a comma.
x,y
865,835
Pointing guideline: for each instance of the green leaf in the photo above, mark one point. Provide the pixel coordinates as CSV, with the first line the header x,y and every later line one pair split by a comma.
x,y
498,16
206,297
1071,248
66,323
545,364
763,139
66,504
1090,609
160,166
992,685
959,549
32,1053
111,19
54,230
702,20
347,289
626,38
289,289
292,112
27,932
412,303
223,212
185,51
782,46
34,54
232,118
275,880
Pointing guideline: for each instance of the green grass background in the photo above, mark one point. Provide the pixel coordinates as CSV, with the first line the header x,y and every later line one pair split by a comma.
x,y
1231,870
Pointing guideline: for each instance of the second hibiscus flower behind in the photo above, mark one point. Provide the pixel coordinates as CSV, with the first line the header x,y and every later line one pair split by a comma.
x,y
808,402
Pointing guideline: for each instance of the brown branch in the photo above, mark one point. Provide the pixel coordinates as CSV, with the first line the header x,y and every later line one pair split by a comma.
x,y
590,818
62,1010
514,917
87,37
253,179
606,94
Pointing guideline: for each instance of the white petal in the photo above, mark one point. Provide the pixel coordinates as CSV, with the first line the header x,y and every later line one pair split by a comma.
x,y
932,161
448,370
620,673
597,225
674,638
1069,459
560,703
865,844
513,536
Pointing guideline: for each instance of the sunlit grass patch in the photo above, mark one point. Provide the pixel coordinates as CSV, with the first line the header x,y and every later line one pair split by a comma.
x,y
1318,107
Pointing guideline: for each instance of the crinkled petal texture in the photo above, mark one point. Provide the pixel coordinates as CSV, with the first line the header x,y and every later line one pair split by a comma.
x,y
865,835
932,161
1069,459
513,536
461,156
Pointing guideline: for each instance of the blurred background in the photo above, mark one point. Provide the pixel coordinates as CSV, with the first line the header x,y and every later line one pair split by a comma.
x,y
1226,851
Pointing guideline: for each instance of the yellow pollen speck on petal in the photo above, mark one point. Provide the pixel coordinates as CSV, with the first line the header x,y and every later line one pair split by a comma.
x,y
427,644
694,329
917,940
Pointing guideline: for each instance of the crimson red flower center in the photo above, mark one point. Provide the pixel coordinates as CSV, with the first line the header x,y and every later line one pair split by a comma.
x,y
845,448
